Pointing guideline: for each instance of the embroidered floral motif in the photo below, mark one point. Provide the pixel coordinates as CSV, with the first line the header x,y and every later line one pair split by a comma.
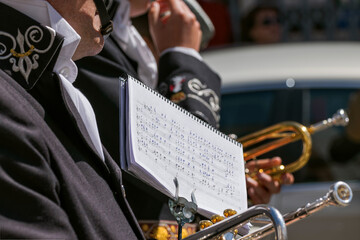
x,y
200,92
25,60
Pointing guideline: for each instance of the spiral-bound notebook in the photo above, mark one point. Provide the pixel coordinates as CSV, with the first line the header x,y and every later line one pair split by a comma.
x,y
161,141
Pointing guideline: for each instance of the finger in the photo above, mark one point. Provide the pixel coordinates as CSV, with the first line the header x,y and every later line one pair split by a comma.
x,y
175,6
263,163
257,193
255,199
164,4
153,15
270,162
164,10
262,195
276,161
272,186
287,178
251,182
251,165
251,185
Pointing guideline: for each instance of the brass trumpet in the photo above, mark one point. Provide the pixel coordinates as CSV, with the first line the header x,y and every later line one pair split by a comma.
x,y
282,134
339,194
227,228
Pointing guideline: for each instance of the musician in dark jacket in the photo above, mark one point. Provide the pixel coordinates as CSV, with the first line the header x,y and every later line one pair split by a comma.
x,y
182,76
56,179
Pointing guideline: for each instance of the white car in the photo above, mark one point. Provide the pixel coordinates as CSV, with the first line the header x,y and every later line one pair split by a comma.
x,y
307,83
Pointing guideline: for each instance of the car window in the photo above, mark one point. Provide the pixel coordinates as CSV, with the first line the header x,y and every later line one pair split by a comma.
x,y
325,102
246,112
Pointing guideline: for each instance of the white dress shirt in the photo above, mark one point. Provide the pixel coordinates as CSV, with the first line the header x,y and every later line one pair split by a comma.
x,y
134,45
136,48
44,13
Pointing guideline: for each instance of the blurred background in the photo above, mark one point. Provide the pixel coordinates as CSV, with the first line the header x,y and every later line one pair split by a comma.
x,y
294,60
300,20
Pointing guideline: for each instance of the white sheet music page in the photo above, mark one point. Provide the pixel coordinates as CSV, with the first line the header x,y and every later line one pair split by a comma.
x,y
166,142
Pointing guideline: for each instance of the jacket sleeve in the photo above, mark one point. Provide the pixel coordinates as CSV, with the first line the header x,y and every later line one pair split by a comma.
x,y
191,84
29,203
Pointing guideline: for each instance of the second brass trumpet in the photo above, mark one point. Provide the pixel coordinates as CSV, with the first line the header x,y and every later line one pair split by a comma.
x,y
282,134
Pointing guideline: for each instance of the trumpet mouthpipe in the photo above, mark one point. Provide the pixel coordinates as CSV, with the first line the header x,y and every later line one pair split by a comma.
x,y
340,118
339,194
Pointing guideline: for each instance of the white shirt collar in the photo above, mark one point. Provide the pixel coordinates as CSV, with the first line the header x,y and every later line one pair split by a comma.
x,y
44,13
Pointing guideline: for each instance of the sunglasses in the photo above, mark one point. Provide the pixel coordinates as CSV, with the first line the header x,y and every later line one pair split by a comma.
x,y
269,21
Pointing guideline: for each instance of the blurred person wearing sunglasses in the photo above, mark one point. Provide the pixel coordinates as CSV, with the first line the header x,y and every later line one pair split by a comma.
x,y
56,179
261,25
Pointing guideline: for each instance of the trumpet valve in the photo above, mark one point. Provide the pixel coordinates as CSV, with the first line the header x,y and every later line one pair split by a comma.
x,y
204,224
216,218
229,212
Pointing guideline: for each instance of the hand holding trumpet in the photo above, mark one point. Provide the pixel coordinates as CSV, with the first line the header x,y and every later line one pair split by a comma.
x,y
261,190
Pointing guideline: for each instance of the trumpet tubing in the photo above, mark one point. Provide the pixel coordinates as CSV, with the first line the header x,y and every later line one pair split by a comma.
x,y
228,226
285,133
339,194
